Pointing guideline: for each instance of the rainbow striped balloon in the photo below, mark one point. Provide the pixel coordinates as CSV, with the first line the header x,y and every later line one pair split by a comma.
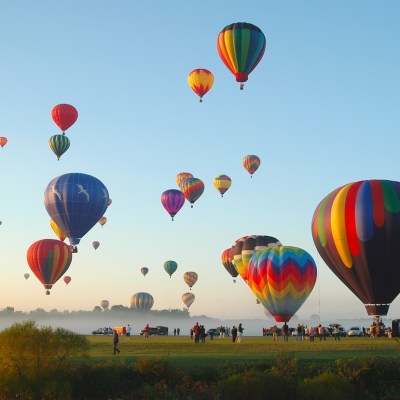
x,y
222,183
192,188
282,278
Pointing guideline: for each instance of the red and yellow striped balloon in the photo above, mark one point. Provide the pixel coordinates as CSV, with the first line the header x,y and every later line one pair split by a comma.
x,y
222,183
49,259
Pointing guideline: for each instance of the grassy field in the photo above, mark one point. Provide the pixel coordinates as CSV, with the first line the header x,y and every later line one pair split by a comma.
x,y
181,350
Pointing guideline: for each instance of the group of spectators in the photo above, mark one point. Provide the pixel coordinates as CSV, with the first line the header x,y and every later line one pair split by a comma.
x,y
199,333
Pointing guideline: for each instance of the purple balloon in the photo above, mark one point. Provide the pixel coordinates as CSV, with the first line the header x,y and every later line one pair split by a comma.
x,y
172,200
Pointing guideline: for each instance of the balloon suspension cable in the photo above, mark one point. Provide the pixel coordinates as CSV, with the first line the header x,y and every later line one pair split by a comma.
x,y
241,86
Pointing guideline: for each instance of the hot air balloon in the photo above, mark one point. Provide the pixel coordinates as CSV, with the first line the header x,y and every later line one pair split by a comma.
x,y
142,301
170,266
188,298
192,188
109,202
60,234
3,141
104,304
181,177
64,116
49,259
144,271
172,200
243,249
222,183
190,278
241,46
26,275
75,202
59,144
102,221
282,278
227,263
251,163
356,230
200,81
96,244
67,279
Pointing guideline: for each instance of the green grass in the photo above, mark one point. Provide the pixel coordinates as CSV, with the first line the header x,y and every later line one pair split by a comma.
x,y
183,351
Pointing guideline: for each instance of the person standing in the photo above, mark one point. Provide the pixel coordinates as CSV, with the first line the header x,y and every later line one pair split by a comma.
x,y
240,333
196,331
115,341
275,333
178,331
146,331
128,331
285,332
336,333
299,331
234,332
174,331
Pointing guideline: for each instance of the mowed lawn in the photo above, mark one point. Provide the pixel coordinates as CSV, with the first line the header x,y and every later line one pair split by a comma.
x,y
183,350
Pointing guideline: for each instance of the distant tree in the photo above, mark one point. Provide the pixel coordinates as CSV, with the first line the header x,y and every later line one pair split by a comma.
x,y
97,309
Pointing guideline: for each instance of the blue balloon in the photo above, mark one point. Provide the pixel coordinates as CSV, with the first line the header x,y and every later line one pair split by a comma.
x,y
76,202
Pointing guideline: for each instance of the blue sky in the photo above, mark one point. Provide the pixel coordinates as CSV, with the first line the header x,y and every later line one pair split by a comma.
x,y
320,110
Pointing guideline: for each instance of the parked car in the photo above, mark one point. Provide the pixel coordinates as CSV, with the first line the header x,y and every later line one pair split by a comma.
x,y
103,331
158,330
213,332
355,331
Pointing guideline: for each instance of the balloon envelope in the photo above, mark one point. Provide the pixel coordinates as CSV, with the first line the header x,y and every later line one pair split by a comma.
x,y
251,163
188,298
170,267
67,279
227,263
75,202
102,221
144,271
192,188
142,301
104,304
96,244
244,248
356,230
26,275
59,144
282,278
172,200
241,46
49,259
56,229
190,278
3,141
64,116
181,177
201,81
222,183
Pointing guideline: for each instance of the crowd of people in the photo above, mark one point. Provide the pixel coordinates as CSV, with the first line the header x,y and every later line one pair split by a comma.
x,y
198,332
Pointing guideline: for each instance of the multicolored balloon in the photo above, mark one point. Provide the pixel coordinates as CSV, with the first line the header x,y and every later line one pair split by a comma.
x,y
172,200
76,202
188,298
244,248
142,301
192,188
190,278
96,244
3,141
356,230
222,183
67,279
64,116
227,263
282,278
170,267
251,163
201,81
103,221
56,229
49,259
181,177
144,271
104,304
59,144
241,47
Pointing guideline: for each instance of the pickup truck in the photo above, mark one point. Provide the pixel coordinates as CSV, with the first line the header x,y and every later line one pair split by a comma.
x,y
158,330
